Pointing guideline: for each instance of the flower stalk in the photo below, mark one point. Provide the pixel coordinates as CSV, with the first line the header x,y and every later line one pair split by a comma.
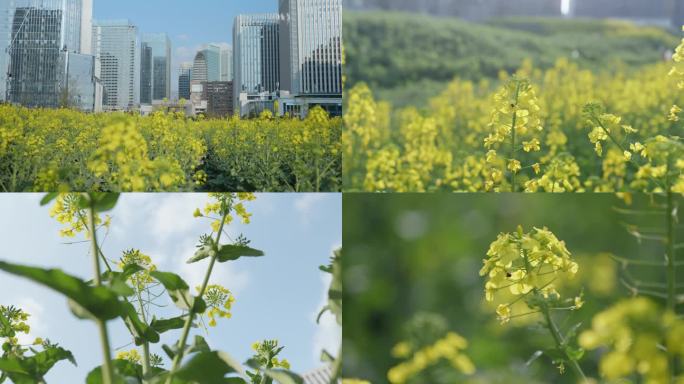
x,y
192,313
107,371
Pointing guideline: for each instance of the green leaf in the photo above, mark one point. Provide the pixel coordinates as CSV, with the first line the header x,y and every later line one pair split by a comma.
x,y
200,345
202,253
48,198
574,353
32,369
326,357
209,368
125,372
283,376
178,290
163,325
230,252
141,332
103,201
99,302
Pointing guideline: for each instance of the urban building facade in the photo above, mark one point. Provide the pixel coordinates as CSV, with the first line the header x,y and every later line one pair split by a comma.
x,y
311,46
256,44
199,67
115,45
79,86
35,34
155,67
226,64
219,97
6,15
212,54
184,76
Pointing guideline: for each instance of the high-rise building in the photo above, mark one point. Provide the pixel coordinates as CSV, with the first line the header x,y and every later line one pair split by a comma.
x,y
87,27
199,67
226,64
78,84
115,45
256,58
39,30
310,46
6,15
155,67
184,76
212,54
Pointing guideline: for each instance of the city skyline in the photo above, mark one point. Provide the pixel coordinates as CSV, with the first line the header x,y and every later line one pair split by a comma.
x,y
190,29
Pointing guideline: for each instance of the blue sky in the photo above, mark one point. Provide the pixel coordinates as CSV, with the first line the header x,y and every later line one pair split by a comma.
x,y
277,296
189,24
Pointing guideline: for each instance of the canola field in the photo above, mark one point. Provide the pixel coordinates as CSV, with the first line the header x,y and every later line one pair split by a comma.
x,y
564,129
65,150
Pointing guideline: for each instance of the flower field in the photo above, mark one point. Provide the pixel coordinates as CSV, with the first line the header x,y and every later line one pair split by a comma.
x,y
564,129
48,150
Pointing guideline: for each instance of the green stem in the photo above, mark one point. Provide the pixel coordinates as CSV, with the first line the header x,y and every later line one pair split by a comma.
x,y
513,123
146,345
337,368
107,371
191,314
560,343
671,262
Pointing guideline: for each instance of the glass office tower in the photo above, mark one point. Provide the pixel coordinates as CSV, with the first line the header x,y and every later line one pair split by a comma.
x,y
311,46
184,76
6,14
256,60
212,54
115,45
39,31
155,67
226,64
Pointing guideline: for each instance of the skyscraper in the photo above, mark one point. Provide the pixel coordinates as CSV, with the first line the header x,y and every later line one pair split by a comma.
x,y
226,63
115,45
155,67
256,60
39,31
6,15
311,46
199,67
212,54
184,76
87,27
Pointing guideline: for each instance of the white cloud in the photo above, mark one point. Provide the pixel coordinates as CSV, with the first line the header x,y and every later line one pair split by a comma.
x,y
307,203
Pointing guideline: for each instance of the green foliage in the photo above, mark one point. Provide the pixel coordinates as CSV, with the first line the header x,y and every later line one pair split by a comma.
x,y
414,254
402,53
178,291
85,300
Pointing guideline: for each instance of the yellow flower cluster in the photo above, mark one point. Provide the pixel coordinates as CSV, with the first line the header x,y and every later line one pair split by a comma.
x,y
449,348
219,302
223,204
639,338
66,211
677,70
266,352
133,356
42,149
140,279
519,263
382,154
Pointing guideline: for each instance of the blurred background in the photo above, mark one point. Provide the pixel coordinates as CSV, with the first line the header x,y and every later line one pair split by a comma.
x,y
407,50
414,259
